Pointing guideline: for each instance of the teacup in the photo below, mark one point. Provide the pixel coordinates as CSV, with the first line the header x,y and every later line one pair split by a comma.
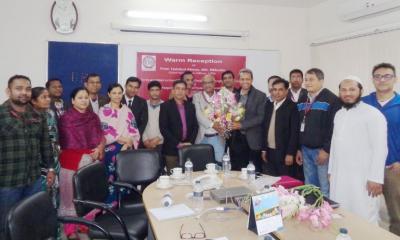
x,y
176,172
211,167
163,180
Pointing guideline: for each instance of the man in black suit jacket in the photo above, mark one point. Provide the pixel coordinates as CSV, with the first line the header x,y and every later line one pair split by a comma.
x,y
178,124
280,132
246,138
137,104
296,91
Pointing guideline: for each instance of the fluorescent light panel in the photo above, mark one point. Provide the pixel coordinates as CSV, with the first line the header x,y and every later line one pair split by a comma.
x,y
166,16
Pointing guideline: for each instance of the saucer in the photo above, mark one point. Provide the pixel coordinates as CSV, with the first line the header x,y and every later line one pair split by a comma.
x,y
211,172
179,177
164,186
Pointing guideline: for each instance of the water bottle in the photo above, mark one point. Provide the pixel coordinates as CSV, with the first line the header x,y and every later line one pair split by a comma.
x,y
188,169
343,234
251,172
197,197
226,164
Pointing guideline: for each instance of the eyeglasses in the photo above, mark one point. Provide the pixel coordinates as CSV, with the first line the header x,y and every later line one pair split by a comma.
x,y
199,235
385,77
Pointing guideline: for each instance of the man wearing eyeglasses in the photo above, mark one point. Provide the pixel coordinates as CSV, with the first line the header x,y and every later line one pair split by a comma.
x,y
387,101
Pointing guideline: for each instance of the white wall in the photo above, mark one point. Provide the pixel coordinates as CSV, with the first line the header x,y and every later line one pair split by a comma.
x,y
357,56
25,29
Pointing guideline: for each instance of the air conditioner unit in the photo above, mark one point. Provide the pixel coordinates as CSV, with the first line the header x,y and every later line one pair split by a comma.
x,y
356,10
179,31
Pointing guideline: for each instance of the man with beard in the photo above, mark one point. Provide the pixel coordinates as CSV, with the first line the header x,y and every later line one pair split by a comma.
x,y
24,143
358,153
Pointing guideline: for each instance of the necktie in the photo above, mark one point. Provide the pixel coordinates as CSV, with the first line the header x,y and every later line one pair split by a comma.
x,y
130,103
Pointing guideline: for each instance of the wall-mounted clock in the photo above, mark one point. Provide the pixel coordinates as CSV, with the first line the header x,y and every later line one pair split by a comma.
x,y
64,16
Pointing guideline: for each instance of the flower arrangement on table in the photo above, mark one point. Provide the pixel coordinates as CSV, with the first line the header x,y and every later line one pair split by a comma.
x,y
292,203
224,110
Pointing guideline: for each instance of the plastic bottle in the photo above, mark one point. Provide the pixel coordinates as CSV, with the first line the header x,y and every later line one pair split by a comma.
x,y
226,164
343,234
188,169
251,172
197,197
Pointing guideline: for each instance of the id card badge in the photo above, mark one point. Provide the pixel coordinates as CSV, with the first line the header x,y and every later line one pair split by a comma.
x,y
302,126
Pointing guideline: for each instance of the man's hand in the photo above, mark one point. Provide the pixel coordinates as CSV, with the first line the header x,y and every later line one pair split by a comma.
x,y
289,160
374,189
236,126
50,177
148,144
264,156
182,144
299,158
323,157
395,167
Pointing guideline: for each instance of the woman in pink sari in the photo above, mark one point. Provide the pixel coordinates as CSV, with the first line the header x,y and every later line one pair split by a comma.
x,y
120,131
81,141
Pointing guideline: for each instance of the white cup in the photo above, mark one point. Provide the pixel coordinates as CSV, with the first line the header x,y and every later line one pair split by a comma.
x,y
163,180
177,172
211,167
243,173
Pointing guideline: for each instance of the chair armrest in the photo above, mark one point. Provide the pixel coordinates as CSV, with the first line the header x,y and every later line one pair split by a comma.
x,y
82,221
107,208
129,186
93,204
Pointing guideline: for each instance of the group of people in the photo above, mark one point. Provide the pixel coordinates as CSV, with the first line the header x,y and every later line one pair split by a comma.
x,y
346,145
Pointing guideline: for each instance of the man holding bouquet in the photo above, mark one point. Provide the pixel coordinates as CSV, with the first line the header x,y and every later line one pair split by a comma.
x,y
248,133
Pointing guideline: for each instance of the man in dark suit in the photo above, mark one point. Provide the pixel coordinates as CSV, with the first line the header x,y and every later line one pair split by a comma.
x,y
247,134
137,104
93,85
178,124
296,90
280,132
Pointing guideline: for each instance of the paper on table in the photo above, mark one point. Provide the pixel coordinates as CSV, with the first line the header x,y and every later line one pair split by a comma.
x,y
174,211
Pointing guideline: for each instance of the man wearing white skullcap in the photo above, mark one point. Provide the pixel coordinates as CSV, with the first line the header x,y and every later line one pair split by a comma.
x,y
358,153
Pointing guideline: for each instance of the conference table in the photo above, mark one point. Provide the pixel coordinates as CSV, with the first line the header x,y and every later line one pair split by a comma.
x,y
233,224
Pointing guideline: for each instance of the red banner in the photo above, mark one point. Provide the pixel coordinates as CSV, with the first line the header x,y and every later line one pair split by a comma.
x,y
167,67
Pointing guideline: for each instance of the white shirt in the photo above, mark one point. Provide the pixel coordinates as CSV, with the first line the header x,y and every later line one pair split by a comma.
x,y
278,104
295,95
95,105
312,98
358,155
128,99
383,103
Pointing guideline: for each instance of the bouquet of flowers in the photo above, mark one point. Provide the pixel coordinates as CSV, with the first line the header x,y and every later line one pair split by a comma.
x,y
224,109
290,202
318,214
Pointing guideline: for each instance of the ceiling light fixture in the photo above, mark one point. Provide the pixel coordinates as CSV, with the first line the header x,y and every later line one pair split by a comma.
x,y
166,16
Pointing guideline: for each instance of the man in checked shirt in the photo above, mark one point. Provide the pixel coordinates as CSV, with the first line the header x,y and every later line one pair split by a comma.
x,y
24,143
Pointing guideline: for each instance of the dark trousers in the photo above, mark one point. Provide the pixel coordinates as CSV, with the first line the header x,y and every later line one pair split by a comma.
x,y
275,165
241,153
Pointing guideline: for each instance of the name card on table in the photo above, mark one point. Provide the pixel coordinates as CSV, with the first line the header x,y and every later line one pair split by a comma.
x,y
264,216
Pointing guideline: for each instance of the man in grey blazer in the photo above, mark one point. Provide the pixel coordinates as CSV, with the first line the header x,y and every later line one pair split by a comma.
x,y
248,134
208,130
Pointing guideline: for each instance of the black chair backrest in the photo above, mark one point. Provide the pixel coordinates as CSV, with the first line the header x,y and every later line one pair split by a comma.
x,y
199,154
138,167
33,218
90,184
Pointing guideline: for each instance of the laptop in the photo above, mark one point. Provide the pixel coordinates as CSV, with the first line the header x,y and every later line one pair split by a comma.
x,y
226,194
